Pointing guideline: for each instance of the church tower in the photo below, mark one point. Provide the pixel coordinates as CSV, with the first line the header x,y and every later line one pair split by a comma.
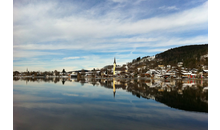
x,y
114,65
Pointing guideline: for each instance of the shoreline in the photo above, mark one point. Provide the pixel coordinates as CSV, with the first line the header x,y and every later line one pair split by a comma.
x,y
135,78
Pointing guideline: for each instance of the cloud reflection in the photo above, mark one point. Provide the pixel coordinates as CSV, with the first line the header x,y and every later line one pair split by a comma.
x,y
56,106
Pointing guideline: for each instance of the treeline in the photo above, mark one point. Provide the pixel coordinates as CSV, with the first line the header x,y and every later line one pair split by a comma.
x,y
38,73
190,56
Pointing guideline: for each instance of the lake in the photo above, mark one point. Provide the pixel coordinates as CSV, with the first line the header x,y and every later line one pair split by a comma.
x,y
62,103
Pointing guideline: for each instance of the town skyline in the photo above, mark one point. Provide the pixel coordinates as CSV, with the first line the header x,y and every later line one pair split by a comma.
x,y
49,35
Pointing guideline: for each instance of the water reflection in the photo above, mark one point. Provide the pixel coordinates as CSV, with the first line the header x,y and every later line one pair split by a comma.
x,y
62,103
188,95
114,90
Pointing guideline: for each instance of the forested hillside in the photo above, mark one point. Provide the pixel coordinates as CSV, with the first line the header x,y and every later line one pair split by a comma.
x,y
189,55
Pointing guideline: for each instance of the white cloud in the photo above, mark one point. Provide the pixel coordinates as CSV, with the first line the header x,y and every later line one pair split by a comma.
x,y
183,41
134,39
168,8
120,45
120,1
70,58
47,26
44,28
28,54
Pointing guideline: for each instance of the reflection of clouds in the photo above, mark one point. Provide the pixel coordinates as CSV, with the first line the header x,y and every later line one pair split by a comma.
x,y
91,95
107,112
179,114
32,105
69,89
156,104
55,107
24,98
69,94
120,108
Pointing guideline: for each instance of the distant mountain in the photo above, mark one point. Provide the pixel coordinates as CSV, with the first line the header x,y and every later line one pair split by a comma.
x,y
192,56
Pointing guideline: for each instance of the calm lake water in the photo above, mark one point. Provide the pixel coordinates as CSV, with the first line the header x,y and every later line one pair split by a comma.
x,y
61,104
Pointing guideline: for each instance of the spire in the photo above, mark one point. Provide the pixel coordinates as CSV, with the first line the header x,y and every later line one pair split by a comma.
x,y
114,61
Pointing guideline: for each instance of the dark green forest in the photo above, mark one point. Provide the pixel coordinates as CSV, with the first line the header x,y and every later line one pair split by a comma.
x,y
190,56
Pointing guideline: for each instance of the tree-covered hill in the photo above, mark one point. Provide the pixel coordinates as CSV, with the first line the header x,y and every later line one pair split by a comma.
x,y
190,55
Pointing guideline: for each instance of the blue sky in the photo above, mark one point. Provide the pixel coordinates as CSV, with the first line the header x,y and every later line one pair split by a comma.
x,y
87,34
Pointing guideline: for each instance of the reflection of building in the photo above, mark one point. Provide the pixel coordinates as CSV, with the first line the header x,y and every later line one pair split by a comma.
x,y
205,89
181,94
190,83
114,91
180,91
163,91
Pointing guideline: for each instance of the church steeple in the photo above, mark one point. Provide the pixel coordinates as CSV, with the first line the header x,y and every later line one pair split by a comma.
x,y
114,65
